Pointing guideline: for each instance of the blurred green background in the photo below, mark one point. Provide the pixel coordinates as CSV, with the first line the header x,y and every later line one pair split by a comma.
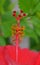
x,y
31,22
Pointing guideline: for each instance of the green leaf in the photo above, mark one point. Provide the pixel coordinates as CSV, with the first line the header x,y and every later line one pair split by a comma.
x,y
28,6
36,24
24,5
6,4
38,31
2,11
2,2
29,30
37,7
7,21
35,21
8,17
1,6
10,7
38,14
2,41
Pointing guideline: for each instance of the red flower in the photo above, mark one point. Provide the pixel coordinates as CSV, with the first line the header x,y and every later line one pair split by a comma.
x,y
25,56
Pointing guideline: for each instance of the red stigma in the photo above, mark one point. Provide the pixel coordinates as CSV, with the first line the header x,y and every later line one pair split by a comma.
x,y
14,11
21,11
14,14
24,14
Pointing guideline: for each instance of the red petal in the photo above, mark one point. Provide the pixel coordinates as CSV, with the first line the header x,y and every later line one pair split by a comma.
x,y
25,56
